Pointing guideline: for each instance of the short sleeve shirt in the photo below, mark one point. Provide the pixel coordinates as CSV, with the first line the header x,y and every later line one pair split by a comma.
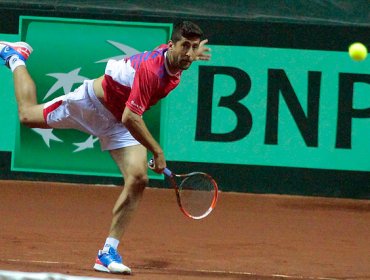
x,y
138,82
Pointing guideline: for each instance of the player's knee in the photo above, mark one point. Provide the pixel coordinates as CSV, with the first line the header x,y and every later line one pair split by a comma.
x,y
139,182
24,117
134,189
31,116
136,184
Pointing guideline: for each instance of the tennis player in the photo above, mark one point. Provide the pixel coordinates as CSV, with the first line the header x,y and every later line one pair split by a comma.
x,y
111,108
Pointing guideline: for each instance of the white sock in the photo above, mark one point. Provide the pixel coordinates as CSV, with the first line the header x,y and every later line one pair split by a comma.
x,y
15,61
111,242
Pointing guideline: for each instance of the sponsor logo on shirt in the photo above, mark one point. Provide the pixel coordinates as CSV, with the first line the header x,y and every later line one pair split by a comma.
x,y
141,108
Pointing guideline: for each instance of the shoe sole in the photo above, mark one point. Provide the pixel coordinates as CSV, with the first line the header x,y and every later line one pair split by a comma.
x,y
102,268
18,44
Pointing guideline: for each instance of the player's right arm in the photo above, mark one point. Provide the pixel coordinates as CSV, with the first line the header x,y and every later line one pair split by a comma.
x,y
137,127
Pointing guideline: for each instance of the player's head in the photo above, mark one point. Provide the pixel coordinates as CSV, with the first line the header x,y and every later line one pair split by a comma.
x,y
186,29
184,44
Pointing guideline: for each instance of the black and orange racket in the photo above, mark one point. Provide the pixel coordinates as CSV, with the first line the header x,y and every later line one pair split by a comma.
x,y
196,192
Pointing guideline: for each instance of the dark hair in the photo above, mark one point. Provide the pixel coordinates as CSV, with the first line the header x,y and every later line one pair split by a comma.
x,y
186,29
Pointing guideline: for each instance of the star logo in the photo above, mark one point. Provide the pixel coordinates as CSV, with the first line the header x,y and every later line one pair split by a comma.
x,y
47,135
88,144
127,50
65,81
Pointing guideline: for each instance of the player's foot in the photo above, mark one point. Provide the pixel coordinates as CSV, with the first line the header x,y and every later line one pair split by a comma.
x,y
109,260
20,49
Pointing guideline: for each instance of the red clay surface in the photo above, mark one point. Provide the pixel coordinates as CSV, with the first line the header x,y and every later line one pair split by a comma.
x,y
54,227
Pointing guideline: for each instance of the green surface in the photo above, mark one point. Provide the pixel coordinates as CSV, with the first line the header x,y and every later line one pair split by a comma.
x,y
8,107
275,88
78,50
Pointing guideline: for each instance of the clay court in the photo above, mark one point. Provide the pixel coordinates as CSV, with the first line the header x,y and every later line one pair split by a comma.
x,y
58,227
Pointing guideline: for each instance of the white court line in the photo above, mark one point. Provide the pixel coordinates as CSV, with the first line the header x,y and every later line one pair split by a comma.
x,y
271,275
195,270
17,275
35,261
244,273
303,277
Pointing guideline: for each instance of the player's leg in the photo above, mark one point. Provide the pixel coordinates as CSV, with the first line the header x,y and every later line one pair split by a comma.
x,y
29,112
14,56
132,164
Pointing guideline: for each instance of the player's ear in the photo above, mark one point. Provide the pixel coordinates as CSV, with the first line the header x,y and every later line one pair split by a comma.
x,y
170,45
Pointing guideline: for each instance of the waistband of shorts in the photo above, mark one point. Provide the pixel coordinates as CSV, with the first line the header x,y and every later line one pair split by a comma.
x,y
96,101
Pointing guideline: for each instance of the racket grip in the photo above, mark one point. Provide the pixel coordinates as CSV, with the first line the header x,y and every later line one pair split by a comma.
x,y
166,171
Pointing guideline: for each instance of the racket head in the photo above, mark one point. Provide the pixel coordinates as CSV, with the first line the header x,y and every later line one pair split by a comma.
x,y
196,193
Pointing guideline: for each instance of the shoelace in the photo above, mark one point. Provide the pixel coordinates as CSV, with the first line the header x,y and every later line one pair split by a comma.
x,y
114,256
117,257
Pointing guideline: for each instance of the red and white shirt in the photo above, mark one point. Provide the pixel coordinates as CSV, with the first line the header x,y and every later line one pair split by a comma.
x,y
138,82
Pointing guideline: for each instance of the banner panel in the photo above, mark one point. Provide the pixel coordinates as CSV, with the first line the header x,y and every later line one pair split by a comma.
x,y
8,110
271,107
66,52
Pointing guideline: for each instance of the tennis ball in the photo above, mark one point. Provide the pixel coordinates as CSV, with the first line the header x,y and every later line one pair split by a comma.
x,y
357,51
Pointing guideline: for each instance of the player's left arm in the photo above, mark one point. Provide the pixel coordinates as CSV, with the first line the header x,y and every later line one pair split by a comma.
x,y
144,87
203,51
137,127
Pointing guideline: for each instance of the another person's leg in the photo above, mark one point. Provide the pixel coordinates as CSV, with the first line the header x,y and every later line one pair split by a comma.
x,y
133,166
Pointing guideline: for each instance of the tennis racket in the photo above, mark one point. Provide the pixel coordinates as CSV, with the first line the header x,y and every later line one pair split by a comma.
x,y
196,192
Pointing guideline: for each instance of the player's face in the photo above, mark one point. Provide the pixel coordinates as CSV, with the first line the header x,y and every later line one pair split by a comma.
x,y
184,52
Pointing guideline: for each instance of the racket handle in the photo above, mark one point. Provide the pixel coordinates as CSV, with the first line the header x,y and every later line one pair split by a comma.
x,y
166,171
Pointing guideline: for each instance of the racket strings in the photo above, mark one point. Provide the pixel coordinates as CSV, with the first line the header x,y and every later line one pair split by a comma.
x,y
197,194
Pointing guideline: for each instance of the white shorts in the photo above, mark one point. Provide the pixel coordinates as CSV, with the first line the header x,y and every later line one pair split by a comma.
x,y
82,110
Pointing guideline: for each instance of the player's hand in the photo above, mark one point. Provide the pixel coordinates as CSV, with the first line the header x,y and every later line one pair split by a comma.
x,y
203,51
159,163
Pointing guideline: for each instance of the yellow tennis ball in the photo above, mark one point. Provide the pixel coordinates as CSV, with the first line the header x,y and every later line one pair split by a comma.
x,y
357,51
